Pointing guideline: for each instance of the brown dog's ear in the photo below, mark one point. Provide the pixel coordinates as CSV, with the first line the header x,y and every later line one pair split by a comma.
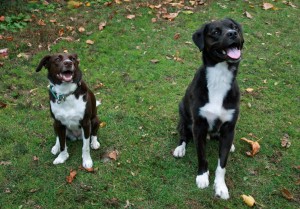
x,y
198,37
43,63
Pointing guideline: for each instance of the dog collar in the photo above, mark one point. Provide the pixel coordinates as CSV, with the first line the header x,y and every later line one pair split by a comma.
x,y
61,97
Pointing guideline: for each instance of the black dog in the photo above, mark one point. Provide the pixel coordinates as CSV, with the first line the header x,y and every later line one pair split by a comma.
x,y
211,102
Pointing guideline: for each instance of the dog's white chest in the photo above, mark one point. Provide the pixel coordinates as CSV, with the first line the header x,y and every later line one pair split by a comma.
x,y
70,111
219,80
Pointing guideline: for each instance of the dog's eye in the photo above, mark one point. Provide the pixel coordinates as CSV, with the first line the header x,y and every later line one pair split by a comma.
x,y
73,59
234,27
57,59
216,32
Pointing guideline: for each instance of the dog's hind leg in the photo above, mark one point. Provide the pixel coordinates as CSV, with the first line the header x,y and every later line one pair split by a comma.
x,y
95,144
185,134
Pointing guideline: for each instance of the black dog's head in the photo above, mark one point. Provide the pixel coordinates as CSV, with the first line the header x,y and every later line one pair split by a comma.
x,y
62,68
220,40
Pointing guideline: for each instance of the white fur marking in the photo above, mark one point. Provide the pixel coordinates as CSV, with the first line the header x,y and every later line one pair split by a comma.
x,y
94,142
180,150
56,148
219,80
232,149
62,157
202,181
221,189
86,157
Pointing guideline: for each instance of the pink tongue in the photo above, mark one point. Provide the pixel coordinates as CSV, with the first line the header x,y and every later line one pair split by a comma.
x,y
234,53
67,77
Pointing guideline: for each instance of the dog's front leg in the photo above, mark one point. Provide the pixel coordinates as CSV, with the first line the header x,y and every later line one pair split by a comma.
x,y
225,145
60,144
200,128
86,135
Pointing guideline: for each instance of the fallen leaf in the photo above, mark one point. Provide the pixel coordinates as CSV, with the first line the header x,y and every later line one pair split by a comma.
x,y
71,177
267,6
33,190
4,53
154,61
35,158
248,199
188,12
177,36
2,105
248,15
5,163
2,18
53,20
99,85
102,124
102,25
89,42
81,29
88,4
287,194
285,142
154,20
130,17
249,90
170,16
255,147
113,155
91,170
41,22
74,4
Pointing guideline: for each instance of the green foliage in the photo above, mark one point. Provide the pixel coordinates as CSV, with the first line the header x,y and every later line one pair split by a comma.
x,y
14,23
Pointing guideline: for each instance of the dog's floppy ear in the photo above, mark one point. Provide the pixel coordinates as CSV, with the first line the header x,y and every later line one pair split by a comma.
x,y
43,63
198,38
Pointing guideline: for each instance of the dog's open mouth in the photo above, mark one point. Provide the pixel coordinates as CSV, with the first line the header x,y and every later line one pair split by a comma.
x,y
66,76
232,52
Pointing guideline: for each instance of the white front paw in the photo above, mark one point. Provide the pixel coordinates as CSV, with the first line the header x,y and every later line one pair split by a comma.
x,y
95,144
55,149
180,150
221,190
87,162
202,181
61,158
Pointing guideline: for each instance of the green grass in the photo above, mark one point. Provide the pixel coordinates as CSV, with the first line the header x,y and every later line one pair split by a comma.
x,y
140,106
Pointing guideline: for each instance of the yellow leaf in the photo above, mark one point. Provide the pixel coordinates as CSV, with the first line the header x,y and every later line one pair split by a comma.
x,y
88,4
255,147
249,200
74,4
102,124
89,42
249,90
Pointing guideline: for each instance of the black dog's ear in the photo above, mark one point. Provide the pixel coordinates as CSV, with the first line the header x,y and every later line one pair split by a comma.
x,y
198,38
43,63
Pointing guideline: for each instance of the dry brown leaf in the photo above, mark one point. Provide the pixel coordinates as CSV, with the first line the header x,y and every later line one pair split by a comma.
x,y
113,154
154,20
249,90
5,162
102,124
267,6
41,22
35,158
99,86
255,147
61,32
249,200
102,25
90,42
154,61
287,194
90,170
285,141
74,4
3,105
247,14
170,16
177,36
81,29
71,177
130,17
2,18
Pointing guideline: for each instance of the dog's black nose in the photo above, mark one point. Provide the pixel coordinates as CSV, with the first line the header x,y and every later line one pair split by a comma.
x,y
232,34
68,63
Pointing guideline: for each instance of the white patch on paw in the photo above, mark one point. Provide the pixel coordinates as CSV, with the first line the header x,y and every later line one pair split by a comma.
x,y
56,148
180,150
202,181
95,144
61,158
221,189
87,161
232,149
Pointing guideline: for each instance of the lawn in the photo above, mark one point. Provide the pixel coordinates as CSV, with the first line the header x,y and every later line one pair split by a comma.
x,y
139,65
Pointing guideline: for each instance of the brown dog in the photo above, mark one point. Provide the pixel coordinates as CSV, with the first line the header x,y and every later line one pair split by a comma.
x,y
72,106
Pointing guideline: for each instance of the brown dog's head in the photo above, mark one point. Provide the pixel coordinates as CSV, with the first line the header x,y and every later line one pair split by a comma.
x,y
62,68
220,40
